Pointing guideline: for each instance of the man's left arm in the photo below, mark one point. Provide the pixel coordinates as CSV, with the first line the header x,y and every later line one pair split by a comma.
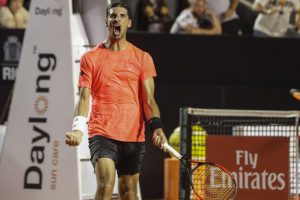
x,y
298,20
152,113
232,8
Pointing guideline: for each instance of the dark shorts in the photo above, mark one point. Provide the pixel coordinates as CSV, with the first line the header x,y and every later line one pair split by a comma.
x,y
127,156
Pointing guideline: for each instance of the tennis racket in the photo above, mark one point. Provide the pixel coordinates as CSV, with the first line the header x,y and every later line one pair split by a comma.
x,y
295,93
209,181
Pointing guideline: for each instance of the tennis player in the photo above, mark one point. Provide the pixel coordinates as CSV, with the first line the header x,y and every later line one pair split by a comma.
x,y
119,77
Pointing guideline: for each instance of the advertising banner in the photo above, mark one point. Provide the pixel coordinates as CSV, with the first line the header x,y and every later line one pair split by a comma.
x,y
35,162
10,51
260,165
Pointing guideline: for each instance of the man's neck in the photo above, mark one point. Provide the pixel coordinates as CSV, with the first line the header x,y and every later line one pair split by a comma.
x,y
116,45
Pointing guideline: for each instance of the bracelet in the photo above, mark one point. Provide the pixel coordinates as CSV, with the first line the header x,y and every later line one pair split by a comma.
x,y
155,123
79,124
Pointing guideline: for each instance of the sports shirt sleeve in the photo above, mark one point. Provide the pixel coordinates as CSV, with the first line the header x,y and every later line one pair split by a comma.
x,y
148,68
184,19
85,78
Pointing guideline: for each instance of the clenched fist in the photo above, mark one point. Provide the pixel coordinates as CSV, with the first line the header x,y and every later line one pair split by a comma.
x,y
73,138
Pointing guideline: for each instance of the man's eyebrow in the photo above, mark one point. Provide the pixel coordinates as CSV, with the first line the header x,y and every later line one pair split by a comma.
x,y
114,13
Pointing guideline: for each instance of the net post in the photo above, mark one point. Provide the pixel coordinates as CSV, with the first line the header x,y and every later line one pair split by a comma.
x,y
185,149
297,154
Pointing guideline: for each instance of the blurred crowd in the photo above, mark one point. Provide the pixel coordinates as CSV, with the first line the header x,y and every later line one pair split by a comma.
x,y
266,18
273,18
14,13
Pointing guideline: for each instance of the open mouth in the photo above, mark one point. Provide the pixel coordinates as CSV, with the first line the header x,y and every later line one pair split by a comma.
x,y
117,29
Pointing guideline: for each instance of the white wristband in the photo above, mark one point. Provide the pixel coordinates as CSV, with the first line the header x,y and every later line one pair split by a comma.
x,y
79,124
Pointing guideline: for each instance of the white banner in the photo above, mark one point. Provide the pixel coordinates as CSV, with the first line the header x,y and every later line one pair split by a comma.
x,y
36,163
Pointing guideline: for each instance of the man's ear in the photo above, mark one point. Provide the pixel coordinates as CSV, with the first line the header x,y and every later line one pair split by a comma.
x,y
106,22
129,23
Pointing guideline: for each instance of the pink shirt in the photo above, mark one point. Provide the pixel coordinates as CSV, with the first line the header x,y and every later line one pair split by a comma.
x,y
115,79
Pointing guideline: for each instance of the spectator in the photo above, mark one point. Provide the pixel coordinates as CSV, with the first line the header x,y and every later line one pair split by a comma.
x,y
226,13
154,16
14,15
197,20
274,16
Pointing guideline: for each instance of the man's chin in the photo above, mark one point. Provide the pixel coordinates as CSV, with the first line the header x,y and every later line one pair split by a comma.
x,y
116,37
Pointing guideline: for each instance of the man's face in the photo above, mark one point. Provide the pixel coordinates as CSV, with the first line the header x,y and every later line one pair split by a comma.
x,y
118,22
15,5
199,7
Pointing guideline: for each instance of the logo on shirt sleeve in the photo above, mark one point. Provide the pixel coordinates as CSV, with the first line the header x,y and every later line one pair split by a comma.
x,y
82,73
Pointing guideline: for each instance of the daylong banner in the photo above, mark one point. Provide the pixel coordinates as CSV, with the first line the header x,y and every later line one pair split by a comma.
x,y
36,163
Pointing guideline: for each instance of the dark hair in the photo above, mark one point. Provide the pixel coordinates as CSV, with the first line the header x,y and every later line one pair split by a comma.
x,y
122,4
8,2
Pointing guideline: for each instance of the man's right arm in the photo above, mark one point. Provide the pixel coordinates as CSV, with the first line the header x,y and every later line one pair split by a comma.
x,y
84,102
297,25
74,137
